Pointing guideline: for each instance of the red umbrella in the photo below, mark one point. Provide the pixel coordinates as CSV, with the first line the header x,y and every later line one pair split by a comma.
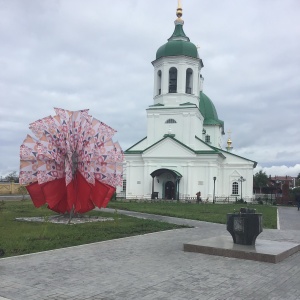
x,y
72,165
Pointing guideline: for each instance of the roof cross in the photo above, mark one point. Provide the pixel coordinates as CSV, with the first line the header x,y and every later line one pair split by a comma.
x,y
179,10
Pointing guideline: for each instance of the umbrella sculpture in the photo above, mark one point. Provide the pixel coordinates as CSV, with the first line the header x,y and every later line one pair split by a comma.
x,y
73,165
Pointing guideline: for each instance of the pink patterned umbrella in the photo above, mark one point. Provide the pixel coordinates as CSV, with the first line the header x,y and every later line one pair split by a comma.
x,y
72,165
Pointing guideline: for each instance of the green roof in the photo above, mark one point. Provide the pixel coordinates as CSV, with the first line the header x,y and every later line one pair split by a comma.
x,y
209,112
178,44
157,104
187,104
178,33
254,162
212,150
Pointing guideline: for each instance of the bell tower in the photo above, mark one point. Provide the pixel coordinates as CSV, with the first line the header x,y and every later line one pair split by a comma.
x,y
177,69
175,111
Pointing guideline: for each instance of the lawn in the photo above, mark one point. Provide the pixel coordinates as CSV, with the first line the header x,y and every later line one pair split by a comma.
x,y
18,237
216,213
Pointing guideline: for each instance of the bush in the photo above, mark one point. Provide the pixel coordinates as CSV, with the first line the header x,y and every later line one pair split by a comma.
x,y
22,190
241,201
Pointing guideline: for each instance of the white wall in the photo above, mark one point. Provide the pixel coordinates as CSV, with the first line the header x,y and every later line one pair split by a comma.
x,y
197,173
215,133
189,123
181,63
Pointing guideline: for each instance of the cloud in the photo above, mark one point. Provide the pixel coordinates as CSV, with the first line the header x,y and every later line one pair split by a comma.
x,y
97,55
280,170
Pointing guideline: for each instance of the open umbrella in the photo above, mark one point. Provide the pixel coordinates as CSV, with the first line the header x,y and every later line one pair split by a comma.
x,y
72,164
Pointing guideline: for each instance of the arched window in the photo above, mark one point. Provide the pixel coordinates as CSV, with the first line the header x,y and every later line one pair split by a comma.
x,y
173,80
159,82
235,188
189,81
170,121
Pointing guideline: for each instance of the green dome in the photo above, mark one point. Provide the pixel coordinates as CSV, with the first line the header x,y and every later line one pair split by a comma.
x,y
209,112
178,44
176,48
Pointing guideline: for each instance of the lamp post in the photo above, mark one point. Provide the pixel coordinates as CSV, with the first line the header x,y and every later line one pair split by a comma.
x,y
214,178
241,180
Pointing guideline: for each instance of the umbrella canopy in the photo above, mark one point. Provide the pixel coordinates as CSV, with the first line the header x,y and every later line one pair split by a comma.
x,y
72,164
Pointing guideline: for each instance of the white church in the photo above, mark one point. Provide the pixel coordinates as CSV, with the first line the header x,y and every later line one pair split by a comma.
x,y
182,153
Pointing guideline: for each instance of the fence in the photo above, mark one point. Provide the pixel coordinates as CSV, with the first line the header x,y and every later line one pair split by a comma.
x,y
121,195
186,198
9,188
267,196
226,199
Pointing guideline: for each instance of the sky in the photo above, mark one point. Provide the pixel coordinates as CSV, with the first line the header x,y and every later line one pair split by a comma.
x,y
97,55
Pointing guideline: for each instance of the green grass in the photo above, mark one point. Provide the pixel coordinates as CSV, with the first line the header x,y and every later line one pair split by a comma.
x,y
216,213
19,237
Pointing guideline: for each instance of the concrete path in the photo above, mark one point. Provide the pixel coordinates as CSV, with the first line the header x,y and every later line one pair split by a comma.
x,y
289,218
151,266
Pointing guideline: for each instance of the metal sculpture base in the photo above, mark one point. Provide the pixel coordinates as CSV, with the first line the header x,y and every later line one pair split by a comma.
x,y
263,250
244,226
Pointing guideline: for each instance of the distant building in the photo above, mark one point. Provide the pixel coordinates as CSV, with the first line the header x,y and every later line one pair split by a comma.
x,y
281,180
182,153
277,188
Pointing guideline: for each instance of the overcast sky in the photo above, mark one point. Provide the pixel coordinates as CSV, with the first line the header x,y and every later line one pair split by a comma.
x,y
96,54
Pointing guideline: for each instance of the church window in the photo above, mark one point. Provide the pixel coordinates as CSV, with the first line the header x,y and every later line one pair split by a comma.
x,y
235,188
189,81
170,121
207,139
173,80
124,185
159,82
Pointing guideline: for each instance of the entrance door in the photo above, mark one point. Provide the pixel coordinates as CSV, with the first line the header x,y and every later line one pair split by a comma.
x,y
169,190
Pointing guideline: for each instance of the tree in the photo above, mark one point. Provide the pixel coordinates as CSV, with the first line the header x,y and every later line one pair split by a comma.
x,y
13,176
260,180
22,190
298,180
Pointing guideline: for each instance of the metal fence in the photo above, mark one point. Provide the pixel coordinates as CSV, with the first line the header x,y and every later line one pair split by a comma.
x,y
256,199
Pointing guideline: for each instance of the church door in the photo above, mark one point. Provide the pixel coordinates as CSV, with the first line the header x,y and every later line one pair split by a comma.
x,y
169,190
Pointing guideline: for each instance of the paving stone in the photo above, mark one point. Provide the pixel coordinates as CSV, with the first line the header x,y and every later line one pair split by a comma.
x,y
151,266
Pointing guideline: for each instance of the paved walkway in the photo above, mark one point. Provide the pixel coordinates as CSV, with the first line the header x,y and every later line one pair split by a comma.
x,y
153,266
289,218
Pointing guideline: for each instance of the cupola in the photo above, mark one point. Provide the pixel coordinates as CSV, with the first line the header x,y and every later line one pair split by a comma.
x,y
178,43
177,69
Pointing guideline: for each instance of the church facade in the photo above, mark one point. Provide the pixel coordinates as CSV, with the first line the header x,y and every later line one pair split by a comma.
x,y
182,153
